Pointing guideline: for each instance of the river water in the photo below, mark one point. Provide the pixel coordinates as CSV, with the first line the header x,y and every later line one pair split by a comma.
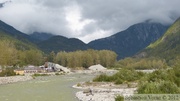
x,y
49,88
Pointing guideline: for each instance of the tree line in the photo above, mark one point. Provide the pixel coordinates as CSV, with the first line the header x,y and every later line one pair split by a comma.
x,y
11,56
84,59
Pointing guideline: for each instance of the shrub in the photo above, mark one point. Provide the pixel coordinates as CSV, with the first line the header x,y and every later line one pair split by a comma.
x,y
162,87
8,72
160,82
119,81
128,75
102,77
78,85
123,75
119,98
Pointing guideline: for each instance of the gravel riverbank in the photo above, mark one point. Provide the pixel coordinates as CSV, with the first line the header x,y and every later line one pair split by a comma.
x,y
102,91
13,79
103,94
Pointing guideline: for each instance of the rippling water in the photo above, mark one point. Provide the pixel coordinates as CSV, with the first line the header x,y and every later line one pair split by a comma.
x,y
51,88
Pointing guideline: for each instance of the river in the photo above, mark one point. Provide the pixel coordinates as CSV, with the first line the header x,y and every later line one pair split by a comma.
x,y
47,88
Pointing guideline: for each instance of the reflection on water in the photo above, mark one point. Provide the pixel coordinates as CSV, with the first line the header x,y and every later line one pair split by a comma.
x,y
52,88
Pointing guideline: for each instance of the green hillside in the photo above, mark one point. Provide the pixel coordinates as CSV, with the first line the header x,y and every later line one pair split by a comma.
x,y
19,45
168,46
165,52
15,52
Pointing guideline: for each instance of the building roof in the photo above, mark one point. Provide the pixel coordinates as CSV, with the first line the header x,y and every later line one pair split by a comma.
x,y
32,68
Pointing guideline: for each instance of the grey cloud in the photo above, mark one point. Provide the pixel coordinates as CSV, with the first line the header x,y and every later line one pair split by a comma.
x,y
100,17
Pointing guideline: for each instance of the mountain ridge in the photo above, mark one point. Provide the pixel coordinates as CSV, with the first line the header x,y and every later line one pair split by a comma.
x,y
168,46
61,43
131,40
15,33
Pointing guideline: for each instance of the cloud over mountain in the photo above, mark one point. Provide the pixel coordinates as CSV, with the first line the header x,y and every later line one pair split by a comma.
x,y
85,19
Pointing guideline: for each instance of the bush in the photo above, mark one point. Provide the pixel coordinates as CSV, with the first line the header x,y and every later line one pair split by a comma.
x,y
78,85
102,77
128,75
119,78
162,87
119,81
160,82
7,72
119,98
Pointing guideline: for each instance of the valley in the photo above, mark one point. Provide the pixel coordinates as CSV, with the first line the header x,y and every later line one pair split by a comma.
x,y
143,46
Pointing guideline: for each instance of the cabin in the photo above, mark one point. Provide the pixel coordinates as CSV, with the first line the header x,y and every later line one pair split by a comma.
x,y
32,69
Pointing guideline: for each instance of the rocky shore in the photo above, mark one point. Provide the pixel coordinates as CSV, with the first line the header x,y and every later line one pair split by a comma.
x,y
102,91
103,94
13,79
108,71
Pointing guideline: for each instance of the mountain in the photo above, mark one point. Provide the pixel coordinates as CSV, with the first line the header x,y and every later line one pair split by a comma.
x,y
19,39
45,41
168,46
60,43
41,36
11,31
130,41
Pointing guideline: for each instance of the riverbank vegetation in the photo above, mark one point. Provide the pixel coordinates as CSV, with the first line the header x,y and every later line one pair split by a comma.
x,y
123,76
11,56
142,63
161,81
7,72
85,58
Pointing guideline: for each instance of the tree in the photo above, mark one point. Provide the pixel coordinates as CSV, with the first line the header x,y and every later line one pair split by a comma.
x,y
8,53
86,58
31,57
51,57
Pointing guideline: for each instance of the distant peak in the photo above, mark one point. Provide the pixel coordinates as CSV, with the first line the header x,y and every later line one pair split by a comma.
x,y
148,21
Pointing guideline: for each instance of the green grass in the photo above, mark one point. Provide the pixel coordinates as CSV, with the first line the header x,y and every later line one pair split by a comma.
x,y
36,74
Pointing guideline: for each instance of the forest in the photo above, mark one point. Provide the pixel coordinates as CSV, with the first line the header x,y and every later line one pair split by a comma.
x,y
11,56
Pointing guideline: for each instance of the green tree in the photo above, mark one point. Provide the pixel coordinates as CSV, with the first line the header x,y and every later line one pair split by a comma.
x,y
51,57
8,53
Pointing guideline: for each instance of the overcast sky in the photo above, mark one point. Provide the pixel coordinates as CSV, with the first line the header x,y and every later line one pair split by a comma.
x,y
85,19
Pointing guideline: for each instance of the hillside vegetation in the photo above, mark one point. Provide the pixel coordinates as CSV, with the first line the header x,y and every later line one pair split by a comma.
x,y
168,46
19,44
163,53
130,41
14,52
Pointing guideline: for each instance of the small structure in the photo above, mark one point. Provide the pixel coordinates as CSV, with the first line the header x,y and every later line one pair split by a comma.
x,y
97,68
32,69
49,67
52,67
19,71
